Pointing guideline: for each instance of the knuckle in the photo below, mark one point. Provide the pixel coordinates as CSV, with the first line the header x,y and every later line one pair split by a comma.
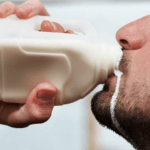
x,y
9,4
41,117
39,3
35,3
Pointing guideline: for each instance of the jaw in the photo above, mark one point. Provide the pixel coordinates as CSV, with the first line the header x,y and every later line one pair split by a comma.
x,y
100,103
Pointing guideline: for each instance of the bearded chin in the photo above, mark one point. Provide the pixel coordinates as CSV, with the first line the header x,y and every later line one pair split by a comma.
x,y
100,106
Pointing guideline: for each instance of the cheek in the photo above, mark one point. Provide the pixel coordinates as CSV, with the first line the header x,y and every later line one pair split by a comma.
x,y
139,71
141,63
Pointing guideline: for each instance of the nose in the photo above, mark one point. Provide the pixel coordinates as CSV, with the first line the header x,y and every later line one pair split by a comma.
x,y
130,36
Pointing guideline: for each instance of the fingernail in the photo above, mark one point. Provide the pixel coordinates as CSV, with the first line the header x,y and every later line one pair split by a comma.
x,y
45,94
54,26
25,10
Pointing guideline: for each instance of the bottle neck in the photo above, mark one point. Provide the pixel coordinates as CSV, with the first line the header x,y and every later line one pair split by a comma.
x,y
109,59
115,54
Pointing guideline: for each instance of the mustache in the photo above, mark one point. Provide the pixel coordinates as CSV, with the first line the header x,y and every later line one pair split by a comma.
x,y
125,64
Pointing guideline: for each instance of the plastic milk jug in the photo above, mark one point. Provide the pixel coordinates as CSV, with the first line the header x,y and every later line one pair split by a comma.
x,y
74,63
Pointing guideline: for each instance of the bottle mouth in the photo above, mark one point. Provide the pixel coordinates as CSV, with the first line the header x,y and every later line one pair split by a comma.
x,y
115,54
111,55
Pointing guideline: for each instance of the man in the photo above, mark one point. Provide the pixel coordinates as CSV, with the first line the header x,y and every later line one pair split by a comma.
x,y
132,106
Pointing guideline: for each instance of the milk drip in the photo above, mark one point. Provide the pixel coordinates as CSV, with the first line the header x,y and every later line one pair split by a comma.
x,y
74,64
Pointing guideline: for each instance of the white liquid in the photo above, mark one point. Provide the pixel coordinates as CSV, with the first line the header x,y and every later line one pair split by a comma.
x,y
114,100
113,104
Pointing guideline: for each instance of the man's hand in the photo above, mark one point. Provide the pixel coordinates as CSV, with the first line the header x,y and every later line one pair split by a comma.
x,y
40,101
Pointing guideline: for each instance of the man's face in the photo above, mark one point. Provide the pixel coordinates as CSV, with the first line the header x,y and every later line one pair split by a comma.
x,y
132,109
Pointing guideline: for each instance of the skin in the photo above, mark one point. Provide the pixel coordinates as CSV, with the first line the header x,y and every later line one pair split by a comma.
x,y
39,103
132,106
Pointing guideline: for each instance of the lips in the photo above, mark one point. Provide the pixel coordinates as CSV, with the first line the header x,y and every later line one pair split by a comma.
x,y
110,83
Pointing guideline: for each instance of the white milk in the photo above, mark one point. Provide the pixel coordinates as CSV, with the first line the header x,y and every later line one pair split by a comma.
x,y
113,103
74,64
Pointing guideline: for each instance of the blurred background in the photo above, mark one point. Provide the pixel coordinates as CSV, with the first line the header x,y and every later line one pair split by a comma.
x,y
72,126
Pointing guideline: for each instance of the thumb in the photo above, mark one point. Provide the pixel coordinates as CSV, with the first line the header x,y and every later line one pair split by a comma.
x,y
37,109
40,102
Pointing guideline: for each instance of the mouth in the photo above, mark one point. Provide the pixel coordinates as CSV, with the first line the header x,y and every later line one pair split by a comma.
x,y
110,83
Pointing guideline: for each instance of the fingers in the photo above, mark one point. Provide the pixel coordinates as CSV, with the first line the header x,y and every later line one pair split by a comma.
x,y
48,26
6,9
31,8
70,32
38,107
